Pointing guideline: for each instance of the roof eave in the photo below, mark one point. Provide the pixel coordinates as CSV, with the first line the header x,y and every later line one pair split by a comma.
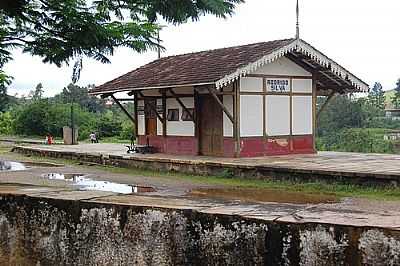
x,y
121,89
303,47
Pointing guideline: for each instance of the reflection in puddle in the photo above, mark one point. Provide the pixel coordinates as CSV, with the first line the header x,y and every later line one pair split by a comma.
x,y
263,195
85,183
11,166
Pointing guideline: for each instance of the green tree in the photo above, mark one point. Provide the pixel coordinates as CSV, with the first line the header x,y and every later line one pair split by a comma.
x,y
4,82
341,112
3,98
6,122
396,96
64,30
37,94
76,94
376,97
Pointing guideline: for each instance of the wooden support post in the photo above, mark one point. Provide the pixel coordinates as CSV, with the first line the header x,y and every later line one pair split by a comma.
x,y
123,109
314,111
236,110
136,102
152,107
213,92
196,111
181,104
164,113
325,104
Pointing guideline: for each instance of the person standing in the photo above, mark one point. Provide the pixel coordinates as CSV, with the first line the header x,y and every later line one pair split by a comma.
x,y
93,138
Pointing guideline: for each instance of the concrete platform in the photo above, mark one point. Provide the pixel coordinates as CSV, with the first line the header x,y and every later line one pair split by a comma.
x,y
350,212
351,167
68,226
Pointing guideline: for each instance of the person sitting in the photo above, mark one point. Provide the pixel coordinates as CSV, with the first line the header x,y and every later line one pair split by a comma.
x,y
49,139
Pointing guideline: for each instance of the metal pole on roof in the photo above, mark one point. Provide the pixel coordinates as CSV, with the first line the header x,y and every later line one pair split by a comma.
x,y
158,42
297,20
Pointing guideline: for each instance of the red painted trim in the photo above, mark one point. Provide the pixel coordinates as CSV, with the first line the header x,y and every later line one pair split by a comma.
x,y
303,144
250,146
259,146
179,145
229,147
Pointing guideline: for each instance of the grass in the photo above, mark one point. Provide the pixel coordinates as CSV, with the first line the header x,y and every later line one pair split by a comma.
x,y
337,189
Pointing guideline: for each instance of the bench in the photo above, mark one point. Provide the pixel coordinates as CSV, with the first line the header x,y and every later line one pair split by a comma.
x,y
132,148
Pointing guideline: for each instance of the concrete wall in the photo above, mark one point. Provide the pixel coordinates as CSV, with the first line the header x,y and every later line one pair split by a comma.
x,y
36,231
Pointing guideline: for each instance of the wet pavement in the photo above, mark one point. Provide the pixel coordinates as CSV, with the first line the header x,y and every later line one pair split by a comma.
x,y
262,195
83,183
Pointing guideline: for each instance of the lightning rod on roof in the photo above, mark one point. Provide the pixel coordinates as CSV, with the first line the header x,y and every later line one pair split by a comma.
x,y
158,42
297,20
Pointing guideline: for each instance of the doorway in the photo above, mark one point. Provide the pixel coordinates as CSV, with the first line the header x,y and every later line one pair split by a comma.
x,y
150,117
211,139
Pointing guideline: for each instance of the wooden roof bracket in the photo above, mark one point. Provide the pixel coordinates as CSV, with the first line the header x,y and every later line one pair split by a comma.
x,y
123,108
152,107
181,104
106,95
330,97
213,92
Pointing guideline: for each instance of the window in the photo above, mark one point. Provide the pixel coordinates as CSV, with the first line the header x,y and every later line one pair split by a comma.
x,y
187,116
173,115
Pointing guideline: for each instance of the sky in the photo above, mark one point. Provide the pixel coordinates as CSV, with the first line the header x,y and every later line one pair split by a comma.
x,y
361,35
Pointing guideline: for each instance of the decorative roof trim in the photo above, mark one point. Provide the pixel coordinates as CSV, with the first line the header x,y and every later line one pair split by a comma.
x,y
304,48
150,88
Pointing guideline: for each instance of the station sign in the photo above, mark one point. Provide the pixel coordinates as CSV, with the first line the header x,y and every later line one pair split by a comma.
x,y
278,85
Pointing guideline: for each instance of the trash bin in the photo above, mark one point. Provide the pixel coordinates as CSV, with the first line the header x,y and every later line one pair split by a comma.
x,y
67,135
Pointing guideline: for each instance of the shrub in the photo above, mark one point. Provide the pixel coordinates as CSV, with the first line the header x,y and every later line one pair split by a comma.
x,y
109,125
6,122
128,129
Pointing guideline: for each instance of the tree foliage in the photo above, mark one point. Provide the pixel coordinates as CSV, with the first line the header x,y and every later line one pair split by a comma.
x,y
79,95
396,96
37,116
37,93
64,30
376,97
355,124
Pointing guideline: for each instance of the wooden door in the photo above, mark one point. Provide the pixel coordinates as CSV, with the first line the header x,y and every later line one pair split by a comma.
x,y
210,126
150,117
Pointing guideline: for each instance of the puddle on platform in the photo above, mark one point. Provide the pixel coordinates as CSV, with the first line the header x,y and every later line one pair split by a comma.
x,y
263,195
85,183
11,166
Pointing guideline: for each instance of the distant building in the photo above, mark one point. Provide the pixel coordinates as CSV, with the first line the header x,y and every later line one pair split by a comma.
x,y
392,135
392,113
243,101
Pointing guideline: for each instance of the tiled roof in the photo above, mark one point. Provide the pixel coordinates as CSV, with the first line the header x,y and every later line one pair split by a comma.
x,y
194,68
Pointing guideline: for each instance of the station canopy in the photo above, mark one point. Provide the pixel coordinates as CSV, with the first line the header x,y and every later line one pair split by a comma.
x,y
223,66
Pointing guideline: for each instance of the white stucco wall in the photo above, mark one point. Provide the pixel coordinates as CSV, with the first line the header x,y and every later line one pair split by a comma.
x,y
251,84
277,118
277,107
251,115
141,122
159,123
302,115
282,66
228,126
180,128
302,85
